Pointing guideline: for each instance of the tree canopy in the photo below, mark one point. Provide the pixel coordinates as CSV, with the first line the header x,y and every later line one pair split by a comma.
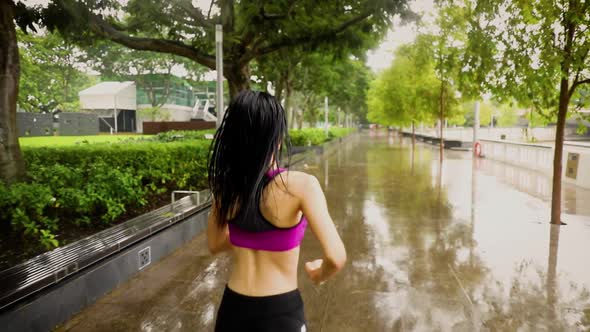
x,y
51,76
541,60
251,29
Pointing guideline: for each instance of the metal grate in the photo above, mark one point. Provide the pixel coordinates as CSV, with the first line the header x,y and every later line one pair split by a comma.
x,y
27,278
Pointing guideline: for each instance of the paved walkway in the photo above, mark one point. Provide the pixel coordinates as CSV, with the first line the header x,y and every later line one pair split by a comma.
x,y
427,251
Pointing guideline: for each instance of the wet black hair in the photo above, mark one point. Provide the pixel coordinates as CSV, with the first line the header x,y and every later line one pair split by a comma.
x,y
253,130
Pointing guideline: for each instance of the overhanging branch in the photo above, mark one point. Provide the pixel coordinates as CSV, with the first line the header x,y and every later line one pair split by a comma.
x,y
104,29
576,84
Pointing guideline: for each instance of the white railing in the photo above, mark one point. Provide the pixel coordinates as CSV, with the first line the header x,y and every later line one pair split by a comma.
x,y
203,113
532,156
540,158
510,134
206,115
535,183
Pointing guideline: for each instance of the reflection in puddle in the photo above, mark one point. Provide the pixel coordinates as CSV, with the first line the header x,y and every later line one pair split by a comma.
x,y
385,255
462,248
458,247
198,302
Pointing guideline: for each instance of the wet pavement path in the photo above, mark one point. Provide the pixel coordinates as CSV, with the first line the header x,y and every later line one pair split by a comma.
x,y
428,250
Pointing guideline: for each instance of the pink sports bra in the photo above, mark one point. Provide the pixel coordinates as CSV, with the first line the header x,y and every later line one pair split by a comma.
x,y
260,234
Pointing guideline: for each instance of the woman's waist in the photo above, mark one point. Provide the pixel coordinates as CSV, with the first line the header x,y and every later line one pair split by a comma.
x,y
263,281
250,306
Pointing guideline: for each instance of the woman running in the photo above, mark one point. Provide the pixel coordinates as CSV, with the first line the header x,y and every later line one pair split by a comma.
x,y
260,212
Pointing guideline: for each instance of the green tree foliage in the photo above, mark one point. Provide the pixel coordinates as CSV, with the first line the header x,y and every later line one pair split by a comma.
x,y
314,81
251,29
388,99
507,116
344,81
279,68
50,73
542,59
486,110
314,75
428,68
478,53
350,91
448,49
409,91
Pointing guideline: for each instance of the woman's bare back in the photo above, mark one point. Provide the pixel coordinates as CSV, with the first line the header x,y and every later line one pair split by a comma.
x,y
261,272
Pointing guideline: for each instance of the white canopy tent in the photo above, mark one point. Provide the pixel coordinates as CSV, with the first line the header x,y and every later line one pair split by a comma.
x,y
109,98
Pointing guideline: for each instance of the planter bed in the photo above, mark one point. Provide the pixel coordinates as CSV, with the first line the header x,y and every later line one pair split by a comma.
x,y
44,291
48,289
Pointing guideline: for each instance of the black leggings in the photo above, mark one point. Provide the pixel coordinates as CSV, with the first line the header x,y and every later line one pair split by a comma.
x,y
281,312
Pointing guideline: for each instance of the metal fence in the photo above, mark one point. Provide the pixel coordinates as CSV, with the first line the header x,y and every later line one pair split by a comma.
x,y
152,128
62,124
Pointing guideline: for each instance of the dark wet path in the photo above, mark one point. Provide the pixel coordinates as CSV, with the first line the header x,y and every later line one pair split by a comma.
x,y
425,253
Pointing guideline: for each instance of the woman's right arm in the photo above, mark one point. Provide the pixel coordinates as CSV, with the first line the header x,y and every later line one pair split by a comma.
x,y
217,237
315,209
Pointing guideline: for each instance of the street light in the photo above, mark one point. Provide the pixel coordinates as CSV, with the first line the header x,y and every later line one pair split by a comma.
x,y
219,69
326,115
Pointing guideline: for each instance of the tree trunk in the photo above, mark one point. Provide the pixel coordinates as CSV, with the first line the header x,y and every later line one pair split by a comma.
x,y
558,156
164,98
66,85
11,160
238,79
288,99
442,112
279,89
412,157
292,119
413,134
300,124
552,272
564,99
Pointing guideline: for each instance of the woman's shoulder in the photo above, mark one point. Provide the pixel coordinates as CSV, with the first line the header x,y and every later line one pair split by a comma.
x,y
298,182
299,176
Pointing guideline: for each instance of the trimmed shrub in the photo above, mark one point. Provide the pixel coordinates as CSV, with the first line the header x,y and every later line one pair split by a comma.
x,y
339,132
97,183
315,136
23,206
179,135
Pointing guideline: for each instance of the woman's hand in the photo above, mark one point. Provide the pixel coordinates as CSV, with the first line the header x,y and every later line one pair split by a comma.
x,y
314,270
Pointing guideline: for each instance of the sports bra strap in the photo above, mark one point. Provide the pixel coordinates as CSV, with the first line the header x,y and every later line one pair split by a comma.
x,y
274,172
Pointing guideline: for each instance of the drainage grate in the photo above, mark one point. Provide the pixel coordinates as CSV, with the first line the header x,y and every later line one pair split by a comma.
x,y
145,257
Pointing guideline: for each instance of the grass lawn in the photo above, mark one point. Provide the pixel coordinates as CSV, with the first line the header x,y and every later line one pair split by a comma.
x,y
72,140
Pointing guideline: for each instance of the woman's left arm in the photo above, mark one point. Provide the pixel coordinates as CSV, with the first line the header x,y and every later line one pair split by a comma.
x,y
217,237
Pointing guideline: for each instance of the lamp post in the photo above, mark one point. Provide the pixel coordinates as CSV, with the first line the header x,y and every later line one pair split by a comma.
x,y
475,124
219,69
326,115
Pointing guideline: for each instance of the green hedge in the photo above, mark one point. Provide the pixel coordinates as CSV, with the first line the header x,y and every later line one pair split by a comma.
x,y
315,136
96,183
179,135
